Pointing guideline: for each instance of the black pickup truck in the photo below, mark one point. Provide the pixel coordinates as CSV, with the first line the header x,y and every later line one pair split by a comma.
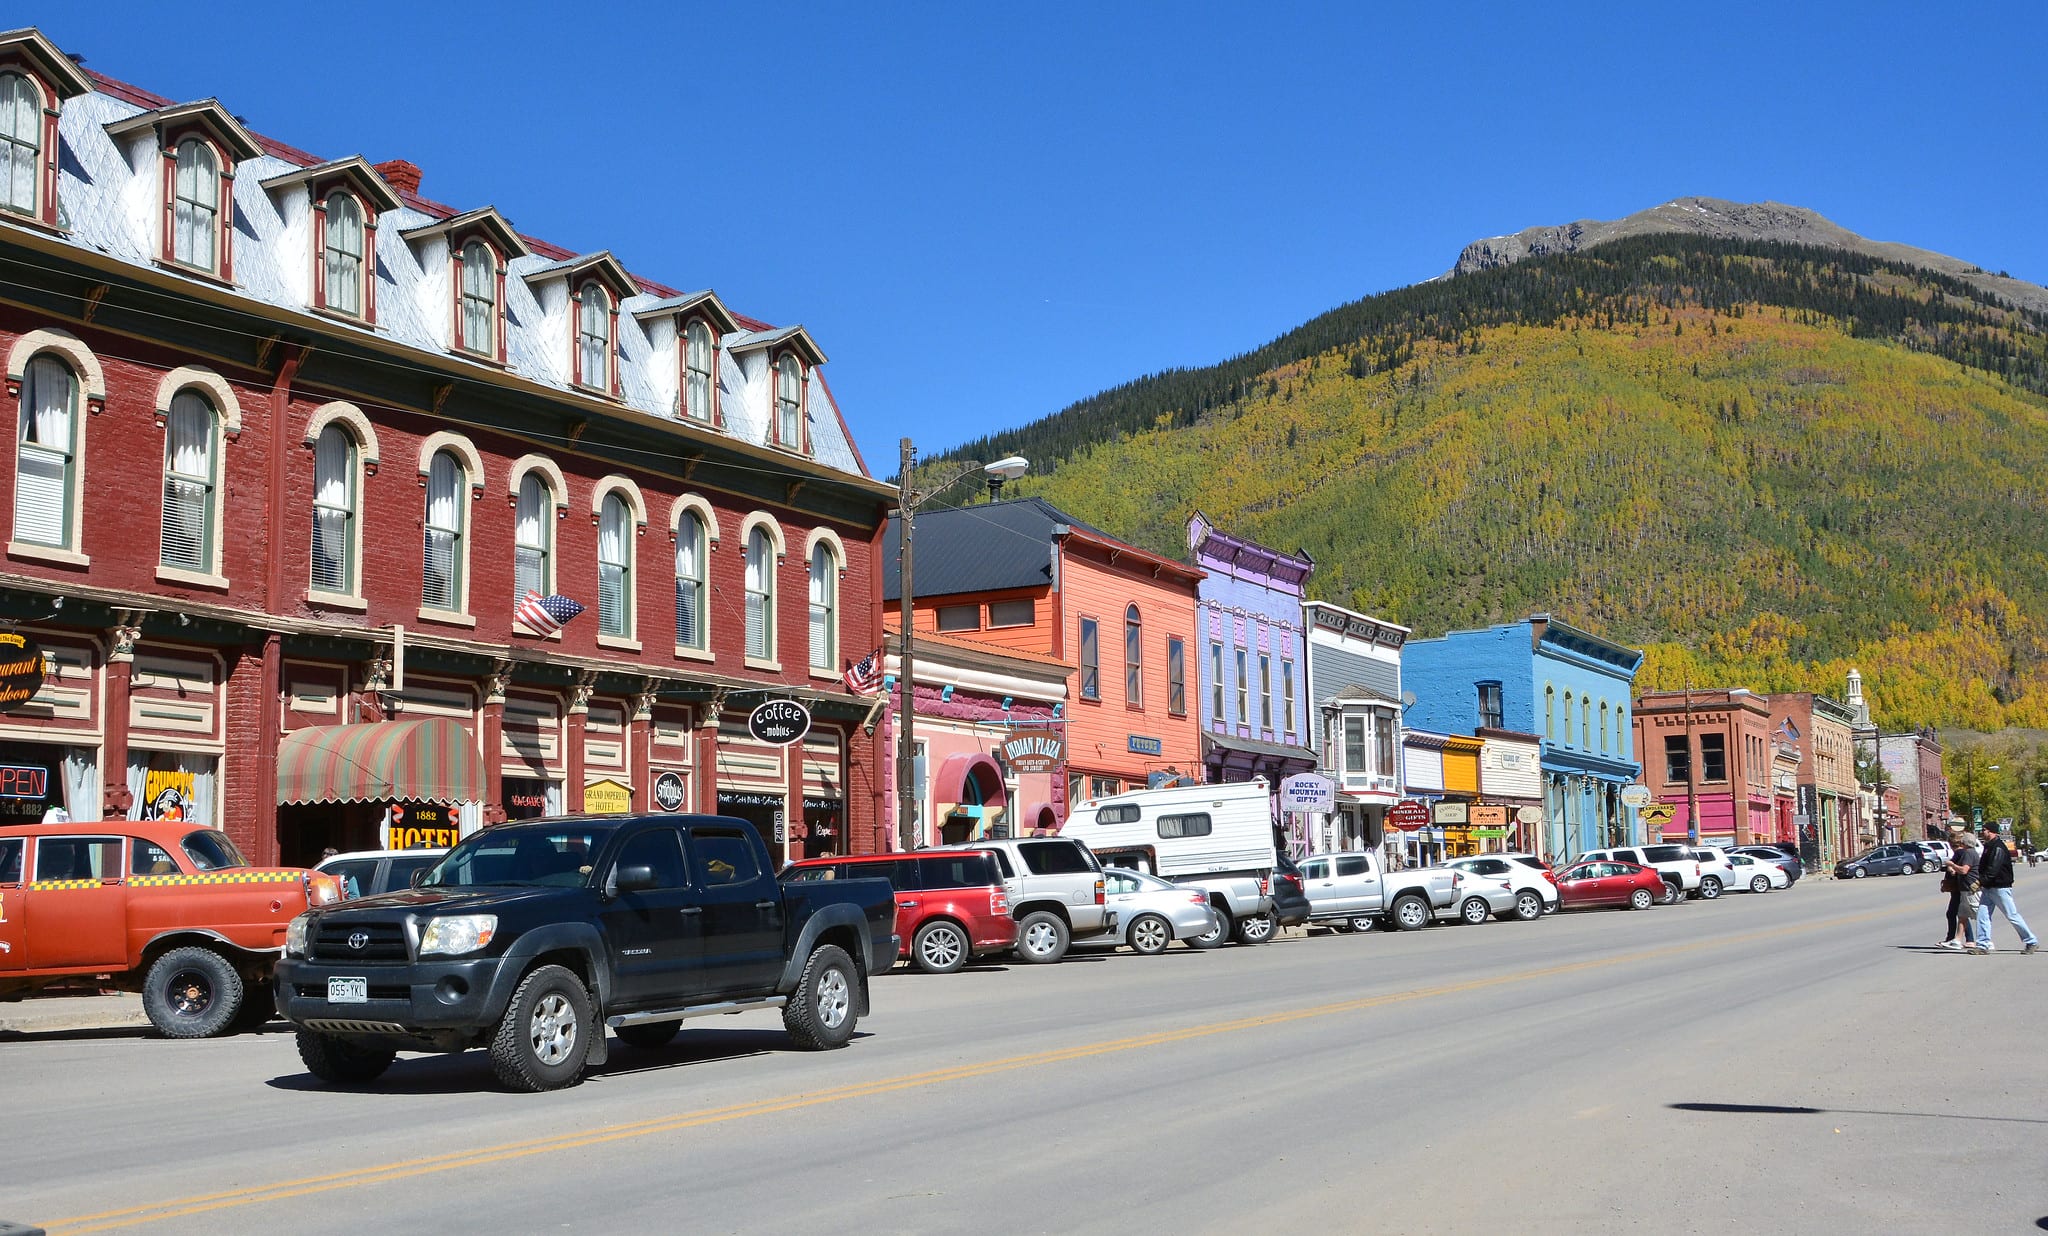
x,y
530,938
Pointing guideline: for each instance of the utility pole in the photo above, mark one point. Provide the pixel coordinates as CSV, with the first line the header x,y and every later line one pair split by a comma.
x,y
1692,797
906,751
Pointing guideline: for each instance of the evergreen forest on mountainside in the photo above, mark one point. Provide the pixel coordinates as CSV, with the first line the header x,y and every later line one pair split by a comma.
x,y
1763,463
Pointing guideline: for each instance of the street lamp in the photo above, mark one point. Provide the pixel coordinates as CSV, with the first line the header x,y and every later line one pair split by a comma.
x,y
907,502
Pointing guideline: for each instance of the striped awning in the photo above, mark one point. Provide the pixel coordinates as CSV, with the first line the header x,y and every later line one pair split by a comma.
x,y
432,759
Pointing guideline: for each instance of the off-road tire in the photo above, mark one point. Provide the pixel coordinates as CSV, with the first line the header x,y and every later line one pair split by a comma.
x,y
192,993
1257,928
1149,935
940,947
543,1040
340,1062
1409,913
825,1007
1042,938
648,1035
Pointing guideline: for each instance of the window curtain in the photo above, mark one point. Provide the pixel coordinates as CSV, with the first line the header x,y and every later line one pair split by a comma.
x,y
612,554
469,816
689,582
43,477
198,205
82,783
333,510
344,254
21,136
200,808
138,781
697,366
529,538
444,534
758,641
552,801
479,298
596,320
821,607
188,481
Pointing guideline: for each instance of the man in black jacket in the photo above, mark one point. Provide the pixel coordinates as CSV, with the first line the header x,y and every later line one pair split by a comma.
x,y
1994,871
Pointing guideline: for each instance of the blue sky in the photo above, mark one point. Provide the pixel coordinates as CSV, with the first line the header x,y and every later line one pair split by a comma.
x,y
986,212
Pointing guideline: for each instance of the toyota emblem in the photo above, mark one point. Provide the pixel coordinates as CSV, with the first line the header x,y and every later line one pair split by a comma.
x,y
358,939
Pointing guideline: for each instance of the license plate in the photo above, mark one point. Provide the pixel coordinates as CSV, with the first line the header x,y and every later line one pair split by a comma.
x,y
348,991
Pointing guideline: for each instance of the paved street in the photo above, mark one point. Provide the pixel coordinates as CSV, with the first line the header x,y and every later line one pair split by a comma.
x,y
1794,1062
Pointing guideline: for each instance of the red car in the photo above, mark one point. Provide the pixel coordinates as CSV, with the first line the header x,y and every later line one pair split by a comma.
x,y
1608,882
950,904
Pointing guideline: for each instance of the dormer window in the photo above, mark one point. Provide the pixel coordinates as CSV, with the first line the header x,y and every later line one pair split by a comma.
x,y
195,210
482,275
594,337
345,198
475,246
342,260
35,80
698,354
21,145
200,144
698,324
789,402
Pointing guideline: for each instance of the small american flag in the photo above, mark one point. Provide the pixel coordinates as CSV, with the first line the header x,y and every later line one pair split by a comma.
x,y
864,677
545,614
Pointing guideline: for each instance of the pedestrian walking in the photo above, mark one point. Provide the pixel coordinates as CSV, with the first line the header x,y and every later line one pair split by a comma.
x,y
1959,881
1994,873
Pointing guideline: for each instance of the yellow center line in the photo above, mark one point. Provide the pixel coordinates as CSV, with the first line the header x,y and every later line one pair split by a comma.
x,y
503,1152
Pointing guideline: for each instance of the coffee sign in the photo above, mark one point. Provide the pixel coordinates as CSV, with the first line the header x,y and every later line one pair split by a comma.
x,y
21,670
1034,751
779,722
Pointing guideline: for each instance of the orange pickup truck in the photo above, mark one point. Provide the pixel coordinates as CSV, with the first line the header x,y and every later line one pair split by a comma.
x,y
171,910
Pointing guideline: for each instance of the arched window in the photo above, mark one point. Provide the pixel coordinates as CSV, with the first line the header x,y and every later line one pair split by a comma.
x,y
21,141
189,461
1567,717
615,568
789,402
479,299
334,512
533,537
195,218
824,607
760,596
594,338
1585,722
46,453
441,585
1134,657
1603,725
344,275
697,356
1549,711
690,582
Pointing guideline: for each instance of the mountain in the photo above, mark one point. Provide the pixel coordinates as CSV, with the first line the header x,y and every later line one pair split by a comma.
x,y
1762,461
1723,220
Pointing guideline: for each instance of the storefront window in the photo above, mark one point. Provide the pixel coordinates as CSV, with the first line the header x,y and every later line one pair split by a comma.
x,y
164,785
42,781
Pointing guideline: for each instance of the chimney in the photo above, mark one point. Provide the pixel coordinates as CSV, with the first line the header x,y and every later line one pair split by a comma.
x,y
401,175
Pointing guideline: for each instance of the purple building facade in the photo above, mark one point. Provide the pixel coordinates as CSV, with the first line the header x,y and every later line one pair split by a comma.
x,y
1253,656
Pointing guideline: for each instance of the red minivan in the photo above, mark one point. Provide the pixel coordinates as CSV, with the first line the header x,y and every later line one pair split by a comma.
x,y
950,904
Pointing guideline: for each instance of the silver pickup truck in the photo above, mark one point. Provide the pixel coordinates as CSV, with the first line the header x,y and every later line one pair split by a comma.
x,y
1352,891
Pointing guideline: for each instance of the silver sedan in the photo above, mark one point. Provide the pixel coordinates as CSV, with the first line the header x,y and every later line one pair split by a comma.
x,y
1153,912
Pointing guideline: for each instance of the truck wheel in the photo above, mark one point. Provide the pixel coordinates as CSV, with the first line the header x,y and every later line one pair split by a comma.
x,y
1150,934
1042,937
821,1013
1528,906
1256,928
340,1062
1710,888
543,1039
1674,891
648,1035
940,947
1475,910
1361,923
1409,912
192,993
1218,933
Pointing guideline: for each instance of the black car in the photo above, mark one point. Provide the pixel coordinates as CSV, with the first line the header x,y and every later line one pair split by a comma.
x,y
1290,895
1899,859
1784,857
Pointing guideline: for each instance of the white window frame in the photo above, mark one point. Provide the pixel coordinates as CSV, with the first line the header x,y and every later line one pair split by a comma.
x,y
42,368
789,408
823,572
760,596
700,386
330,250
542,544
466,296
207,486
594,306
184,235
351,510
14,143
615,517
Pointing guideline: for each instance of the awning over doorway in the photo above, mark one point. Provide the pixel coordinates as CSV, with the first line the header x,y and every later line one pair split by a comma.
x,y
970,778
432,759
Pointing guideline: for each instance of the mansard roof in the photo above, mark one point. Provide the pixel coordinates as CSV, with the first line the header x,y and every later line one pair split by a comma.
x,y
601,264
792,336
207,114
47,60
355,170
486,219
705,303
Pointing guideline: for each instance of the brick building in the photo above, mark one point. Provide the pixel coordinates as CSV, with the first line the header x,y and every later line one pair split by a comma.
x,y
294,440
1710,748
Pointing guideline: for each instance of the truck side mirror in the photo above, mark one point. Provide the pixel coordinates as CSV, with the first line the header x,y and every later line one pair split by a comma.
x,y
633,879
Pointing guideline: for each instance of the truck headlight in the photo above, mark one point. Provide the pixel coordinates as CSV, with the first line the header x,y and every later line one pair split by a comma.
x,y
295,935
458,933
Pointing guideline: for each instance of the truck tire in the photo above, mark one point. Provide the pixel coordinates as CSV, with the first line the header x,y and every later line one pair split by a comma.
x,y
1361,923
940,947
1149,935
1218,935
1409,912
648,1035
1042,937
340,1062
1257,928
543,1040
192,993
825,1006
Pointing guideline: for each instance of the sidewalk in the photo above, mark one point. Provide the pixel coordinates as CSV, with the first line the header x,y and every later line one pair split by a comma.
x,y
64,1014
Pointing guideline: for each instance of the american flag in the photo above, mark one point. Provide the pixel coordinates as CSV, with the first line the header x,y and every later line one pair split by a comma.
x,y
545,614
864,677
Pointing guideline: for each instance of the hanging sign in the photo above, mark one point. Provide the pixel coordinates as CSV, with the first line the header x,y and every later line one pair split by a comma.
x,y
21,670
1635,795
1308,792
1408,815
1484,816
1034,751
668,791
779,722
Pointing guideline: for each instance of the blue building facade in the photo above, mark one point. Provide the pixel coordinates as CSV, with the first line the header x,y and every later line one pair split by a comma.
x,y
1541,676
1252,655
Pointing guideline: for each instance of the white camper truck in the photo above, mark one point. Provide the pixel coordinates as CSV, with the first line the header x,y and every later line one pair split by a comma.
x,y
1218,838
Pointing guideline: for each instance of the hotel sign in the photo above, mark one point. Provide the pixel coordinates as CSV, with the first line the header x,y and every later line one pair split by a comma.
x,y
1034,751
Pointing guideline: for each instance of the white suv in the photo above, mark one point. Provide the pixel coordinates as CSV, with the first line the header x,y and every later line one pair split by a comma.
x,y
1056,893
1675,863
1534,890
1716,872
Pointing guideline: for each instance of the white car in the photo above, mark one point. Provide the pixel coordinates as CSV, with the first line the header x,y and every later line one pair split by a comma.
x,y
1154,912
1716,874
1756,875
1535,892
365,873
